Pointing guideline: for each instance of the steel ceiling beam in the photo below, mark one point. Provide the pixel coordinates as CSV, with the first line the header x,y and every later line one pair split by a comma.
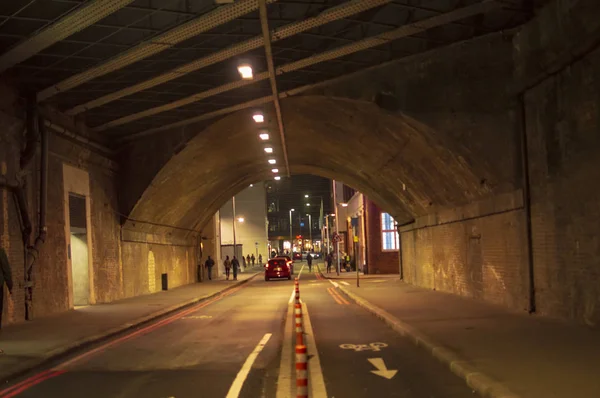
x,y
263,100
155,45
92,12
264,24
329,15
361,45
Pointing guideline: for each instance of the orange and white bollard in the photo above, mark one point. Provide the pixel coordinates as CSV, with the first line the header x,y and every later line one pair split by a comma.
x,y
297,296
299,327
301,372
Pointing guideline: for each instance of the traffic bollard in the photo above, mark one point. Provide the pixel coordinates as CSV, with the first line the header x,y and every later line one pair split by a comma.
x,y
301,372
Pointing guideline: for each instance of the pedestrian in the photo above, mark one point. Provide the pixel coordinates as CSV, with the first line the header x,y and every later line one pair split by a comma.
x,y
248,259
260,259
235,264
253,259
5,277
329,261
208,264
227,264
244,262
309,260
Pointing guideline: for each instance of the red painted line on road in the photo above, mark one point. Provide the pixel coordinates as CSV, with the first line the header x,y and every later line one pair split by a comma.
x,y
27,384
59,369
26,381
333,295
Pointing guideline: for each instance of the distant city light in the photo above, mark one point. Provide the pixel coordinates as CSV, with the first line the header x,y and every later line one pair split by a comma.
x,y
240,219
245,71
308,204
269,149
277,178
306,196
272,161
264,136
258,118
275,170
251,185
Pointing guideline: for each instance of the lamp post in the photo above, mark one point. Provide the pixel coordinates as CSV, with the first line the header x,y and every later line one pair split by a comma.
x,y
337,243
291,236
233,223
309,229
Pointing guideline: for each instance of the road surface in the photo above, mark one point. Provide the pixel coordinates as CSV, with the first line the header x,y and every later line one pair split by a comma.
x,y
232,347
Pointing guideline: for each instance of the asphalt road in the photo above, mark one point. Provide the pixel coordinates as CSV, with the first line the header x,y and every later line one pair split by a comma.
x,y
232,347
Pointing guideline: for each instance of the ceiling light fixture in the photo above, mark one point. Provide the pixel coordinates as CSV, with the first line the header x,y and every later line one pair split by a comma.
x,y
268,149
264,136
272,161
245,71
277,178
258,118
275,170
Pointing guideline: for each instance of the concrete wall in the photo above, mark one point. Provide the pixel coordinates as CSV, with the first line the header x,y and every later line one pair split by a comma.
x,y
251,205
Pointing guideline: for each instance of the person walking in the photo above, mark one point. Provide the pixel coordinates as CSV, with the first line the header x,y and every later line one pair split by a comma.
x,y
227,264
5,278
253,259
235,264
248,260
309,260
208,264
260,259
329,261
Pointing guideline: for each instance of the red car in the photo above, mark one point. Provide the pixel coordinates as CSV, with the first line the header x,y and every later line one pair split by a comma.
x,y
277,268
297,256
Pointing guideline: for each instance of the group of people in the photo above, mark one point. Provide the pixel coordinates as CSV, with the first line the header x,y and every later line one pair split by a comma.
x,y
345,261
231,266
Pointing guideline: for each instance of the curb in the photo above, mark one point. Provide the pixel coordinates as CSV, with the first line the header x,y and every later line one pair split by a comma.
x,y
478,381
55,354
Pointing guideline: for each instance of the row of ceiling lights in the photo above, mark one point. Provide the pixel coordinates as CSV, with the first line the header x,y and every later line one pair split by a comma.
x,y
246,73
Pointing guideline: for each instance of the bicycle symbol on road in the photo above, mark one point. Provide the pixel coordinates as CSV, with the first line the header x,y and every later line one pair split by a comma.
x,y
363,347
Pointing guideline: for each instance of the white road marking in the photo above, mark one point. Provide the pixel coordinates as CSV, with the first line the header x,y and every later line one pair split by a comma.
x,y
382,370
300,274
345,283
316,381
363,347
284,381
236,387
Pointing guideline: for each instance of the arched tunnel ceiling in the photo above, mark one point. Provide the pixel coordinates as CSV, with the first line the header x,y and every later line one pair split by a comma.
x,y
397,161
112,71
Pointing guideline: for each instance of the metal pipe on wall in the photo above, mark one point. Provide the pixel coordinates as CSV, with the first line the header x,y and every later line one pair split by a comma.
x,y
33,251
522,117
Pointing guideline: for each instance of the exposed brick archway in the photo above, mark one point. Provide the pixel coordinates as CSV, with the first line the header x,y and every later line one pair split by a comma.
x,y
399,162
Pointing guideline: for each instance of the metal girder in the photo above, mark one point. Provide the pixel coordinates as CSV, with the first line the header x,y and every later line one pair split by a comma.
x,y
71,23
264,23
329,15
361,45
155,45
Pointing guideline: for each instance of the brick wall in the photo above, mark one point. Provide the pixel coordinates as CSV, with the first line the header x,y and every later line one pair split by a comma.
x,y
475,251
563,123
378,261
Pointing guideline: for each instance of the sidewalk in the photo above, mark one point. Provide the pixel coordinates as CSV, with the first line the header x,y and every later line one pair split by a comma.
x,y
27,345
533,357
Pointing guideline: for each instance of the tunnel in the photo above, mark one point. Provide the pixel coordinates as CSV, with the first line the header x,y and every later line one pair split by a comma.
x,y
471,127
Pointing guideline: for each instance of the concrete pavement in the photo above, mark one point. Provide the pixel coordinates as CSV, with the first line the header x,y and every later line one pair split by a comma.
x,y
30,344
527,355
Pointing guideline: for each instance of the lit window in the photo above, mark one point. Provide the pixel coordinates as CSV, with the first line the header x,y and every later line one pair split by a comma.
x,y
389,233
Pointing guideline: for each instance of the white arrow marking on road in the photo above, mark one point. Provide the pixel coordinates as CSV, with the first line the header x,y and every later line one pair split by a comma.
x,y
381,369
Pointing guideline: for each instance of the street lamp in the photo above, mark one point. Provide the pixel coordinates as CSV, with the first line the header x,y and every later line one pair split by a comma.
x,y
310,229
291,236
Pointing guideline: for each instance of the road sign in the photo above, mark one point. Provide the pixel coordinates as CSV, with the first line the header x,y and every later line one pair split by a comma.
x,y
382,370
356,239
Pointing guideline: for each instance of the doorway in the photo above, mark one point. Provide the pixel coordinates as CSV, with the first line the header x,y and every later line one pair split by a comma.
x,y
78,250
